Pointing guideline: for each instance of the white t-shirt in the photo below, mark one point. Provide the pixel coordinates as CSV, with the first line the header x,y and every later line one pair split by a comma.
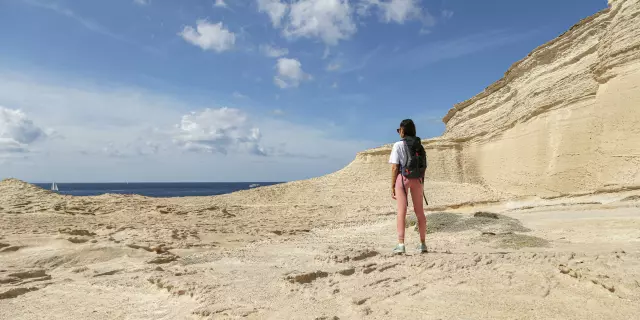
x,y
398,154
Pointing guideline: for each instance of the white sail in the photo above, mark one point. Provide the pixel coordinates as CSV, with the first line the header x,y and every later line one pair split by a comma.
x,y
54,187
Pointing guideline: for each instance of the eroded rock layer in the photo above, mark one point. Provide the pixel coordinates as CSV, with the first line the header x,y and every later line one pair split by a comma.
x,y
563,120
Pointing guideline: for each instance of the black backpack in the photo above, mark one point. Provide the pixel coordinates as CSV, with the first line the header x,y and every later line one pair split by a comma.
x,y
416,158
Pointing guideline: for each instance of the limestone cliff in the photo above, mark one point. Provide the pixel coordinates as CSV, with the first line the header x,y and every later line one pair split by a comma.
x,y
563,120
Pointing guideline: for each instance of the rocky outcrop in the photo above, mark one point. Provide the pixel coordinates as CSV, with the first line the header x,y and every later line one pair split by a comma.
x,y
563,120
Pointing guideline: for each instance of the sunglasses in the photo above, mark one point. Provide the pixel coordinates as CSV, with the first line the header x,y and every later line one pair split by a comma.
x,y
398,130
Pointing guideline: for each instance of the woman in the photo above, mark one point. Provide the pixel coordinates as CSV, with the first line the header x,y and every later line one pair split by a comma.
x,y
401,186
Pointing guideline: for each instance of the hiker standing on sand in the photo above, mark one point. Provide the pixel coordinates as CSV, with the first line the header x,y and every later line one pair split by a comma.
x,y
408,165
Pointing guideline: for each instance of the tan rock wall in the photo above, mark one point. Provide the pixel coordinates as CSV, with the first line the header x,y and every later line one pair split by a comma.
x,y
565,119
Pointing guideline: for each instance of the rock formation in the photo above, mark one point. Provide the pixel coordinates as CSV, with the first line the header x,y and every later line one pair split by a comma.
x,y
563,120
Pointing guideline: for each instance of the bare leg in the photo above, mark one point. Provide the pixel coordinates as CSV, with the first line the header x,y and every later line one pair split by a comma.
x,y
418,207
401,197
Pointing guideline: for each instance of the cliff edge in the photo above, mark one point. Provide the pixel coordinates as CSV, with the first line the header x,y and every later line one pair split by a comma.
x,y
563,120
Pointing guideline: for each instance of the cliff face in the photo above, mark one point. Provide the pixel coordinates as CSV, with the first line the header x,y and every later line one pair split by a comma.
x,y
565,119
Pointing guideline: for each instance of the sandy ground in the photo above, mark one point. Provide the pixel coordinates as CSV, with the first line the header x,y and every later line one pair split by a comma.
x,y
561,124
117,257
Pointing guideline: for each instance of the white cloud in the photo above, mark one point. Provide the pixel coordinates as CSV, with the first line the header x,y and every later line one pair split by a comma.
x,y
329,20
141,2
334,85
280,83
218,131
239,95
87,118
326,53
425,31
273,51
333,66
278,112
397,11
17,131
276,10
447,14
220,4
290,73
332,21
209,36
360,78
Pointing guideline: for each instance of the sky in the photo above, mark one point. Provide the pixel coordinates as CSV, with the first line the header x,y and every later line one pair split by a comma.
x,y
243,90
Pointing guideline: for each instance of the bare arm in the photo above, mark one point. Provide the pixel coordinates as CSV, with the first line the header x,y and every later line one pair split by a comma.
x,y
395,170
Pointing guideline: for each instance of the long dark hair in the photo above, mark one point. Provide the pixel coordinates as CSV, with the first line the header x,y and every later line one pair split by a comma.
x,y
409,127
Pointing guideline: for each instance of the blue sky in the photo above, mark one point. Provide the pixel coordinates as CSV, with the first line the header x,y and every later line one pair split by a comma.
x,y
246,90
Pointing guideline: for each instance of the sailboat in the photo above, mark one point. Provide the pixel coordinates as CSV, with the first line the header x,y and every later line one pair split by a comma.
x,y
54,187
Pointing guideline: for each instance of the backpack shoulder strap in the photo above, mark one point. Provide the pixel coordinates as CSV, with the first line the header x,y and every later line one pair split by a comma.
x,y
405,147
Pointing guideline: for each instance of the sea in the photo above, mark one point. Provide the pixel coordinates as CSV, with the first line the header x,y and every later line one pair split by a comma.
x,y
157,190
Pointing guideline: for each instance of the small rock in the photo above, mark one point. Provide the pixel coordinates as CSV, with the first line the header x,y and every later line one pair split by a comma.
x,y
347,272
136,246
368,270
77,240
611,288
490,215
79,269
36,273
163,258
77,232
108,273
307,277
